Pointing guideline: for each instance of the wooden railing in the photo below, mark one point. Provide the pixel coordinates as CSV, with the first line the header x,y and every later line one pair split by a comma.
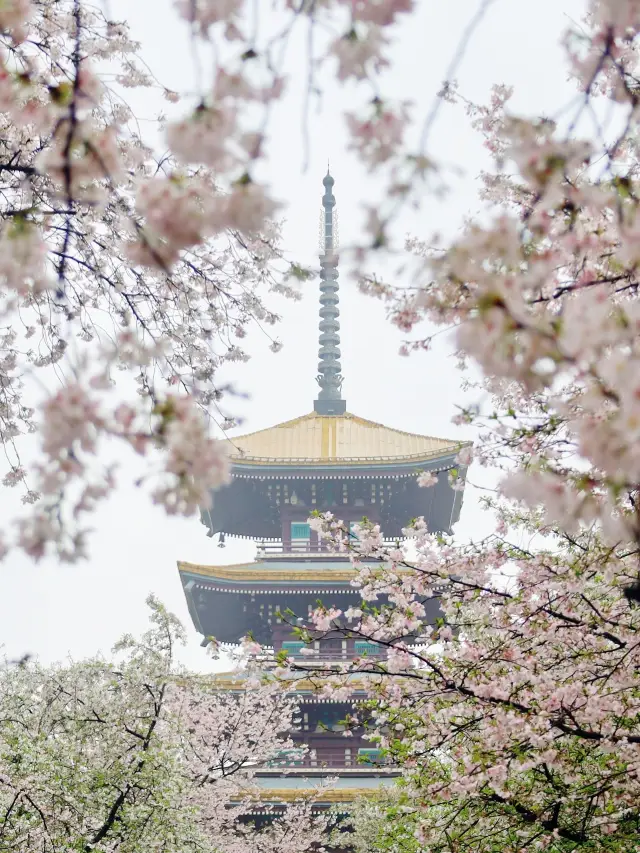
x,y
305,546
330,758
337,655
269,549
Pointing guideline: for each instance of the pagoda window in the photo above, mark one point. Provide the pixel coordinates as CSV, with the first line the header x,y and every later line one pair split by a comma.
x,y
365,647
300,533
370,756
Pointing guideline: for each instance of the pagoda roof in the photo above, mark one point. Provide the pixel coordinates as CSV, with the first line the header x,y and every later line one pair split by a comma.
x,y
338,440
298,683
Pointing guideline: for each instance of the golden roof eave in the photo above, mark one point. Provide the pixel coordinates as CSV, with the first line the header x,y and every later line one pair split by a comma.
x,y
251,572
337,795
335,440
232,681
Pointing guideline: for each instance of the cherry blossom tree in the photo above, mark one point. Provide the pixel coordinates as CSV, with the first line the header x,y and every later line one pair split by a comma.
x,y
135,754
519,728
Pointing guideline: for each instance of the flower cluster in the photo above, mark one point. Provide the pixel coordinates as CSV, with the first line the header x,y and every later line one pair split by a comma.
x,y
114,261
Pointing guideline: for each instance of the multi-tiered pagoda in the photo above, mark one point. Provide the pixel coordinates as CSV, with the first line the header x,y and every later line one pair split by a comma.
x,y
327,460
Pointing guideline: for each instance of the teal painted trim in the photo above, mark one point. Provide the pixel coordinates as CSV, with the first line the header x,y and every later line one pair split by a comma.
x,y
201,579
363,647
370,756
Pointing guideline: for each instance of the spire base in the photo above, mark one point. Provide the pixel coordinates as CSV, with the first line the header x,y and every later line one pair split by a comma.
x,y
330,407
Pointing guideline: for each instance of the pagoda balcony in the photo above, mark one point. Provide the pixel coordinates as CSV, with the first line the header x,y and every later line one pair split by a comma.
x,y
364,650
278,550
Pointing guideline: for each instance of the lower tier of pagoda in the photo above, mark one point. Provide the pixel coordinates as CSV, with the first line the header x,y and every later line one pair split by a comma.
x,y
232,602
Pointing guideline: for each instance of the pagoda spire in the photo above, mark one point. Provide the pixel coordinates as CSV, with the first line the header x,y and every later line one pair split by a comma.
x,y
329,377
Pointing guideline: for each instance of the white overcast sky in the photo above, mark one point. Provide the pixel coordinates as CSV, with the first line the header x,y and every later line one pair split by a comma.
x,y
52,610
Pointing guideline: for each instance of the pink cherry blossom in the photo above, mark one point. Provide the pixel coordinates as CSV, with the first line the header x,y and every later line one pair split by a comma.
x,y
359,52
207,13
14,16
378,137
427,479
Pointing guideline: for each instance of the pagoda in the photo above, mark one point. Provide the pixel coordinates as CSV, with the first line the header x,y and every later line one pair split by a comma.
x,y
326,460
